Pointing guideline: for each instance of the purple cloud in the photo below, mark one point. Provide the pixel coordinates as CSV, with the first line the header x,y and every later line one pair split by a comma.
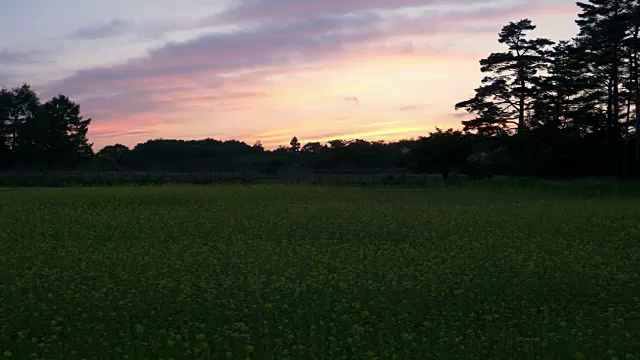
x,y
113,28
13,65
8,57
259,10
224,69
207,62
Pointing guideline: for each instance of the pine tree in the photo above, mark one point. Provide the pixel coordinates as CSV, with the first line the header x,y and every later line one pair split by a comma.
x,y
6,100
603,26
564,101
295,145
507,94
23,107
66,132
632,42
5,150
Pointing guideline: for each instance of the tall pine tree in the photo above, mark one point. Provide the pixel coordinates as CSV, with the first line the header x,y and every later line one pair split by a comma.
x,y
603,25
66,132
632,42
6,100
23,107
505,98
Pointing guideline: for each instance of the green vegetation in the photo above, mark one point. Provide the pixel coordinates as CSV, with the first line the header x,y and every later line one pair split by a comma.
x,y
311,272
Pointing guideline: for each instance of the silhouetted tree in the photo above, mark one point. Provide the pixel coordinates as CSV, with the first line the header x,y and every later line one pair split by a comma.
x,y
559,92
338,144
6,100
66,135
505,97
312,147
605,26
442,152
294,145
113,156
632,42
602,31
23,106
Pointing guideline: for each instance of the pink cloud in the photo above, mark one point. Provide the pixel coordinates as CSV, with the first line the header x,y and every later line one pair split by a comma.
x,y
224,71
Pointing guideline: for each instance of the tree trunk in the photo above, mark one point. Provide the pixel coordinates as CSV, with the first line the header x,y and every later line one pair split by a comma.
x,y
607,154
637,169
14,132
615,102
628,121
635,84
521,124
616,158
609,119
636,91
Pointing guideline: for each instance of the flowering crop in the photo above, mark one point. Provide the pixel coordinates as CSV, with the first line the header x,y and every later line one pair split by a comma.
x,y
296,272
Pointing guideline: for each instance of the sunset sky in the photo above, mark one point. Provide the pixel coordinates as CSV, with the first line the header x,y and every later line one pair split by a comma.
x,y
261,69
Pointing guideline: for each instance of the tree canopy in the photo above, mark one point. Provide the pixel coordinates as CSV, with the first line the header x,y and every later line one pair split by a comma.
x,y
37,135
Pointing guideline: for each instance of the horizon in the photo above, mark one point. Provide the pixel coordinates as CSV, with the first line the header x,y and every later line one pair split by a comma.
x,y
373,70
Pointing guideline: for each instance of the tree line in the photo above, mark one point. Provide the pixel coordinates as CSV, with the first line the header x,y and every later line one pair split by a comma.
x,y
545,109
568,107
41,135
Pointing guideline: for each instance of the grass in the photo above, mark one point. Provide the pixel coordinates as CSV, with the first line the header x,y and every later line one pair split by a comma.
x,y
302,272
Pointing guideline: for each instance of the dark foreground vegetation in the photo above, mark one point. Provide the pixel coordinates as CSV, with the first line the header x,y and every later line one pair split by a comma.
x,y
298,272
544,109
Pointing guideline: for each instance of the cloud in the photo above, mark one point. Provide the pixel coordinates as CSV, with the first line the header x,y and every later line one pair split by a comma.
x,y
113,28
460,115
8,57
228,70
352,99
155,28
113,134
210,66
5,79
372,130
412,108
379,133
253,48
14,65
260,10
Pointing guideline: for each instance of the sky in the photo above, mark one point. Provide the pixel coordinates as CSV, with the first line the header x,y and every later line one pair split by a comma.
x,y
262,70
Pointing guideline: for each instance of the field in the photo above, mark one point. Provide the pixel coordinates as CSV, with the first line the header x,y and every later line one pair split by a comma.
x,y
301,272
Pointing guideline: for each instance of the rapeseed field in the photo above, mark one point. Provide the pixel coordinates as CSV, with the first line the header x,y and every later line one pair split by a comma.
x,y
301,272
